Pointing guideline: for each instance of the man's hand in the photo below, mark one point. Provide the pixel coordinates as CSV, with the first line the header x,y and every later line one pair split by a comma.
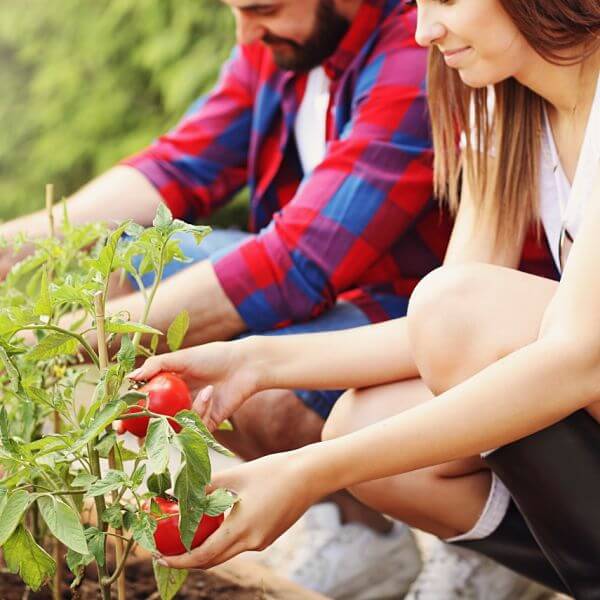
x,y
6,262
219,375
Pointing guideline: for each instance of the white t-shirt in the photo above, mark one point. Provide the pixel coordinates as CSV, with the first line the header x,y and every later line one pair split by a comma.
x,y
561,202
311,121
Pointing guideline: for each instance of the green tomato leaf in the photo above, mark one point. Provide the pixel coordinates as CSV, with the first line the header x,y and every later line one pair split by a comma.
x,y
138,476
133,397
163,219
160,484
198,231
112,411
191,420
7,443
154,343
54,344
77,563
28,560
191,498
113,516
104,262
218,502
83,479
169,581
126,354
38,395
191,481
63,522
43,305
46,445
11,370
105,391
134,230
157,445
15,505
177,330
195,450
130,327
143,530
96,543
113,480
106,444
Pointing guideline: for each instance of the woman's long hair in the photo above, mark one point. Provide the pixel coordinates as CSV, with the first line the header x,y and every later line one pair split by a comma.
x,y
506,187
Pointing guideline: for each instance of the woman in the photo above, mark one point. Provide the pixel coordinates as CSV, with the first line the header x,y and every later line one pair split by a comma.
x,y
507,354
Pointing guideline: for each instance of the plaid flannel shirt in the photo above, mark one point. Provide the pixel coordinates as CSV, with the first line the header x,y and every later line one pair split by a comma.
x,y
363,225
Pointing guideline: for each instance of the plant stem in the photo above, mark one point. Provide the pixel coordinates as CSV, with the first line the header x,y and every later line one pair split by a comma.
x,y
121,555
56,545
101,330
99,300
159,274
100,508
120,563
93,453
60,570
140,413
49,206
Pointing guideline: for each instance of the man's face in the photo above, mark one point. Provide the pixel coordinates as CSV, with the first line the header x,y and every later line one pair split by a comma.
x,y
300,33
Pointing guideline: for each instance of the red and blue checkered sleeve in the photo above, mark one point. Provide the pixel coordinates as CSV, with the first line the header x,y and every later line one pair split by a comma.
x,y
202,162
373,184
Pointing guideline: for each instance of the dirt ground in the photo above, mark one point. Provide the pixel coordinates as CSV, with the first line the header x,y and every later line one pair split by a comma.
x,y
239,579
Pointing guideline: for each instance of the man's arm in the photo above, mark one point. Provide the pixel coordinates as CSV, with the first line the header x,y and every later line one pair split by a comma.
x,y
120,194
212,315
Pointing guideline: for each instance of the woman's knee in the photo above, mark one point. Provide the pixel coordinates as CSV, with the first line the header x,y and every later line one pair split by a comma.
x,y
445,327
342,419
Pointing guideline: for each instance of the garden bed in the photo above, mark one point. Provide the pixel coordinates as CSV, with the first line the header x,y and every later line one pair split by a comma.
x,y
142,586
237,580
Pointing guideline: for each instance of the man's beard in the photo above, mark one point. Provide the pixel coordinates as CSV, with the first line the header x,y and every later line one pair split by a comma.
x,y
329,30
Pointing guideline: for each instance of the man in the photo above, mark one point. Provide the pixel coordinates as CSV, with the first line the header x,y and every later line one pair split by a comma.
x,y
321,111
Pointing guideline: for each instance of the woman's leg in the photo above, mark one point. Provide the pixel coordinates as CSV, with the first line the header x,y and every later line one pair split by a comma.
x,y
445,500
554,476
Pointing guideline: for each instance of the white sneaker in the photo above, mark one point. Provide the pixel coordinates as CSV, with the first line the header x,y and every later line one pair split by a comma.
x,y
351,561
452,573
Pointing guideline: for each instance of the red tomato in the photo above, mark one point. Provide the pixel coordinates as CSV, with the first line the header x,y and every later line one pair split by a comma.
x,y
167,395
167,536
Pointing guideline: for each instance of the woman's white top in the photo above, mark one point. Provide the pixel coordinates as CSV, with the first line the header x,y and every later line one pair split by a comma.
x,y
563,204
310,127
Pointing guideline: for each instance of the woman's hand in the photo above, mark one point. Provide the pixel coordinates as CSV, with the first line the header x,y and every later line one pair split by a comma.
x,y
273,491
220,375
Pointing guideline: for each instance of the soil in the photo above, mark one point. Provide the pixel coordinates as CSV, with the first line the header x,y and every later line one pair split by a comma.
x,y
141,586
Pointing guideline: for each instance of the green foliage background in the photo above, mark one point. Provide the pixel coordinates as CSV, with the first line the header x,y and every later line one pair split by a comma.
x,y
86,82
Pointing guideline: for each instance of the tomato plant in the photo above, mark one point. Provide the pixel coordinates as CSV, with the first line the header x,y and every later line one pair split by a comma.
x,y
167,395
58,454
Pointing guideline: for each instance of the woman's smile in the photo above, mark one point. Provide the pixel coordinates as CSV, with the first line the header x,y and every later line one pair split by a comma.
x,y
454,57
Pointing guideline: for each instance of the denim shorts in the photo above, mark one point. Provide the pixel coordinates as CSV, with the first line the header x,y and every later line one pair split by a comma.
x,y
342,315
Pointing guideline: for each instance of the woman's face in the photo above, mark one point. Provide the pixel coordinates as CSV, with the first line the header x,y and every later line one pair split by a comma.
x,y
476,37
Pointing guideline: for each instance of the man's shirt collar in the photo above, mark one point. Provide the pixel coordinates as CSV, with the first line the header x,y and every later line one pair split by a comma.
x,y
364,24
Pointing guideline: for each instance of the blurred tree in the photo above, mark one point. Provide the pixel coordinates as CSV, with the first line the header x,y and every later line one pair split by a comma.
x,y
87,82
